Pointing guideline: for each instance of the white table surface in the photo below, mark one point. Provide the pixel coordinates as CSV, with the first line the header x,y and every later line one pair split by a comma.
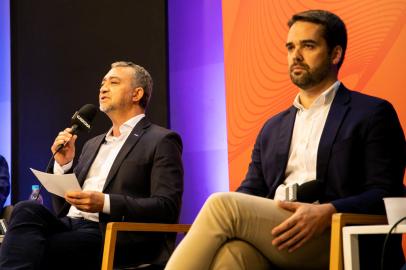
x,y
350,241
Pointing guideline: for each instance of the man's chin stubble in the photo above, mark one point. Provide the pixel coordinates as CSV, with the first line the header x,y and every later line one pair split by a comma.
x,y
303,82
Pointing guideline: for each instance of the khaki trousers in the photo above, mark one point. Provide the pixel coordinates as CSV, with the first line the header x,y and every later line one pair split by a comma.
x,y
233,231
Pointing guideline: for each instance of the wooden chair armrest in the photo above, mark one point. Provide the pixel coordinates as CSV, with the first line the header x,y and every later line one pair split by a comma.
x,y
339,220
114,227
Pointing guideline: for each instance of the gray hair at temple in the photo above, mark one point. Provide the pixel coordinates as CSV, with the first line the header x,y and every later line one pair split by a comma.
x,y
335,32
141,78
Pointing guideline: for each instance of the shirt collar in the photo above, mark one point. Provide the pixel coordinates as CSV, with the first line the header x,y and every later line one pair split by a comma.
x,y
325,98
126,127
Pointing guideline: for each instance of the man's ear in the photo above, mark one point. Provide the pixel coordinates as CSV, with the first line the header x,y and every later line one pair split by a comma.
x,y
336,55
138,93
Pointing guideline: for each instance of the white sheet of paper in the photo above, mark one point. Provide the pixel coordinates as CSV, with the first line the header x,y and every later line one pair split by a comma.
x,y
57,184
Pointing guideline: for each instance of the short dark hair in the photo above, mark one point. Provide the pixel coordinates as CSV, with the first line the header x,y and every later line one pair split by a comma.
x,y
335,32
141,78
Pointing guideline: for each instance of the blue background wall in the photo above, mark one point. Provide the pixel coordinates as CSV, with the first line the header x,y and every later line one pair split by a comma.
x,y
5,82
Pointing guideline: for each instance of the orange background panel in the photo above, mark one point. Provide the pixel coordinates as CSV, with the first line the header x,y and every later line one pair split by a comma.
x,y
257,80
256,72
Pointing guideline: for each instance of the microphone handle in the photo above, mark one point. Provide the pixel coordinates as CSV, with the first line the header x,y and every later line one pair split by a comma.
x,y
60,146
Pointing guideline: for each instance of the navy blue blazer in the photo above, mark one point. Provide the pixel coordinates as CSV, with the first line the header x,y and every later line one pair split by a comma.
x,y
360,159
145,184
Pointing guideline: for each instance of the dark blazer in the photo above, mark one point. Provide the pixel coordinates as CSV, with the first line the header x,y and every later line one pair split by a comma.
x,y
145,182
361,155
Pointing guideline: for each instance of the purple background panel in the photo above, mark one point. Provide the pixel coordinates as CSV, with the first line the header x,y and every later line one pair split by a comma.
x,y
5,83
197,98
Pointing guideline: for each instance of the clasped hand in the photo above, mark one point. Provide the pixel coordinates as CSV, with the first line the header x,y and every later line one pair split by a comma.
x,y
87,201
307,221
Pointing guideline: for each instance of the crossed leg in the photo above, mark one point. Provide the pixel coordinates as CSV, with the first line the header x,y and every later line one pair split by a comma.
x,y
229,216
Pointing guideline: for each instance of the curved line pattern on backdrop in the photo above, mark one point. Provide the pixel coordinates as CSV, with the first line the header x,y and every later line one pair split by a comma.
x,y
257,81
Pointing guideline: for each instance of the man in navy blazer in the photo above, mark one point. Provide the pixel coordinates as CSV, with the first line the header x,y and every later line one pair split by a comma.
x,y
334,150
132,173
360,157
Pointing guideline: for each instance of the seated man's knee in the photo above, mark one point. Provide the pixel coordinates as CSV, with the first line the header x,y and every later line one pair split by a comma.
x,y
224,202
23,205
220,197
26,209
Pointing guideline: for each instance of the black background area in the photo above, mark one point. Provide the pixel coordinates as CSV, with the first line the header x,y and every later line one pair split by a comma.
x,y
60,52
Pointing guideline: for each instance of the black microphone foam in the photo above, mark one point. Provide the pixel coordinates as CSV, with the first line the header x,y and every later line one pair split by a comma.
x,y
310,191
81,120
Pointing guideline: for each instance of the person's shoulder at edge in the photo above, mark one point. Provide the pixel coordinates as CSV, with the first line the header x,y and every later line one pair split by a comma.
x,y
2,160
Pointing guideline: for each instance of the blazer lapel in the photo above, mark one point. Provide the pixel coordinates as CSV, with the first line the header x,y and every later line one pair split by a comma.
x,y
283,144
338,110
131,141
89,158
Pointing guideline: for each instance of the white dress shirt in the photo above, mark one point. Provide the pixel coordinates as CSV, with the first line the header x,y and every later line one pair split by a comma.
x,y
309,125
100,168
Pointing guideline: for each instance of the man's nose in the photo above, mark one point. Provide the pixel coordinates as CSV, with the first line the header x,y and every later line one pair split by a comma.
x,y
297,55
103,89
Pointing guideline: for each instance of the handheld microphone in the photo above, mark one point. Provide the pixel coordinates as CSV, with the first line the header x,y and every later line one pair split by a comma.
x,y
310,191
81,120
